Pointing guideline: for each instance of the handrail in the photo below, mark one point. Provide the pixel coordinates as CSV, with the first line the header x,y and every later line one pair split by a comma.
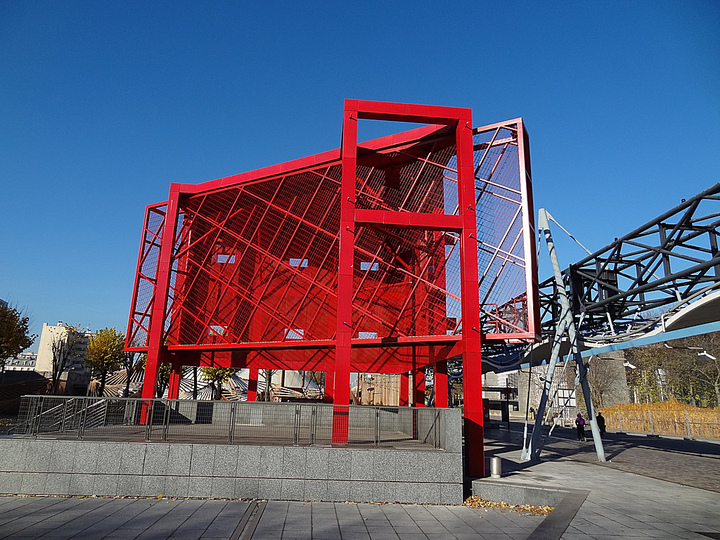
x,y
233,422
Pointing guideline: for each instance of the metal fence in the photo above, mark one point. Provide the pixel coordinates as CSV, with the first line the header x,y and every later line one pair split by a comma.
x,y
233,422
703,424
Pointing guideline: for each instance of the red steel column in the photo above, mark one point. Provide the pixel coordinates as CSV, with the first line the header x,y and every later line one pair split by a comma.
x,y
440,384
174,383
155,353
343,332
472,367
329,386
252,384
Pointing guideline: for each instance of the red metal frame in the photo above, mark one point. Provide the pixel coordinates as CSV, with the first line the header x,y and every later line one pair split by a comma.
x,y
385,256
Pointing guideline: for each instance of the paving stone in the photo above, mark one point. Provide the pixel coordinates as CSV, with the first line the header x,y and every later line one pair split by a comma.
x,y
226,460
339,465
202,461
177,486
179,459
271,462
294,462
316,463
156,459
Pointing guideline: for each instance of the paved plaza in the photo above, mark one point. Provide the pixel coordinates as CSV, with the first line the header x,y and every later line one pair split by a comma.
x,y
649,488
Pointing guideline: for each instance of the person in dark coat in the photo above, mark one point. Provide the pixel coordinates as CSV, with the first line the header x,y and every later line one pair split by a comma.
x,y
580,423
601,424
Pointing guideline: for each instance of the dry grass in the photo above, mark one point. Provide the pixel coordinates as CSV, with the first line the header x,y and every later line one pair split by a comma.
x,y
666,418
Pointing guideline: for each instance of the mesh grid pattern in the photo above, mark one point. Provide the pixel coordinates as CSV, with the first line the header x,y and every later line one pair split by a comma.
x,y
258,261
410,178
146,277
501,257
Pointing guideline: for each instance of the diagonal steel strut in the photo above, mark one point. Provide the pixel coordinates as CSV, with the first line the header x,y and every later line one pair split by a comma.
x,y
565,324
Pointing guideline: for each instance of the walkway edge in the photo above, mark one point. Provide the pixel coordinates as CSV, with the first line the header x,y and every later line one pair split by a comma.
x,y
557,522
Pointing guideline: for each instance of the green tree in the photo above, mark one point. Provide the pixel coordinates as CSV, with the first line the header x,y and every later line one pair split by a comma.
x,y
105,353
163,374
14,335
216,377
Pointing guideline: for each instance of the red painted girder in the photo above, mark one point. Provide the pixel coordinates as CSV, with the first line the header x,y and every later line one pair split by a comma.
x,y
319,344
404,112
409,220
331,157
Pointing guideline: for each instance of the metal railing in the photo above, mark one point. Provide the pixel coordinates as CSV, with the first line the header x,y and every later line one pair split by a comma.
x,y
699,424
232,422
702,424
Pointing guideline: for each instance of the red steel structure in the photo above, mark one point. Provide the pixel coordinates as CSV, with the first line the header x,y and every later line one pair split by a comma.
x,y
386,256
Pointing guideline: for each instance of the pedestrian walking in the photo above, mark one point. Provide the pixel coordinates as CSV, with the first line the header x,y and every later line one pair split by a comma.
x,y
580,423
601,423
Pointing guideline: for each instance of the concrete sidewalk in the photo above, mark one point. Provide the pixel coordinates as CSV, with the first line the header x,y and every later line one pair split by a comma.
x,y
650,488
55,518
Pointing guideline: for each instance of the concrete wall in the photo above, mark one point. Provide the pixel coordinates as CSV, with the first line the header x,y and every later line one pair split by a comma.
x,y
58,467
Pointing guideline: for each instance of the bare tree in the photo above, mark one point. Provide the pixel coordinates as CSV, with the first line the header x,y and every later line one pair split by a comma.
x,y
268,377
603,379
65,347
707,362
131,362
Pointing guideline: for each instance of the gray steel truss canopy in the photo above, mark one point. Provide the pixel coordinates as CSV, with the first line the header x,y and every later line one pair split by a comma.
x,y
619,291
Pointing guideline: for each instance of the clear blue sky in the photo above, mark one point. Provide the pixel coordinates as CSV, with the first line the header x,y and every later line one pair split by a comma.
x,y
104,104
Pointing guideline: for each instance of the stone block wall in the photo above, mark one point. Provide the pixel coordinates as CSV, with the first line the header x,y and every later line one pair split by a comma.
x,y
61,467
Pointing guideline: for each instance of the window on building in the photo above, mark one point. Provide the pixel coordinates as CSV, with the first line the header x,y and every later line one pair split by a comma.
x,y
367,335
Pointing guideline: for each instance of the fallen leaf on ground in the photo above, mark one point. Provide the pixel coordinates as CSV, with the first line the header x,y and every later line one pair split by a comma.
x,y
529,509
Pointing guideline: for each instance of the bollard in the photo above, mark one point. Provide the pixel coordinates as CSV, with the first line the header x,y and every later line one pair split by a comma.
x,y
495,467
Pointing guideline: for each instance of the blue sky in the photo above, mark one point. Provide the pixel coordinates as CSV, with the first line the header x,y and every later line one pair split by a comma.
x,y
104,104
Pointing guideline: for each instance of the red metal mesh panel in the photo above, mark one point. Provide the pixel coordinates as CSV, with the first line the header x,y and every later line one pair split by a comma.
x,y
146,276
399,278
408,178
500,225
257,262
